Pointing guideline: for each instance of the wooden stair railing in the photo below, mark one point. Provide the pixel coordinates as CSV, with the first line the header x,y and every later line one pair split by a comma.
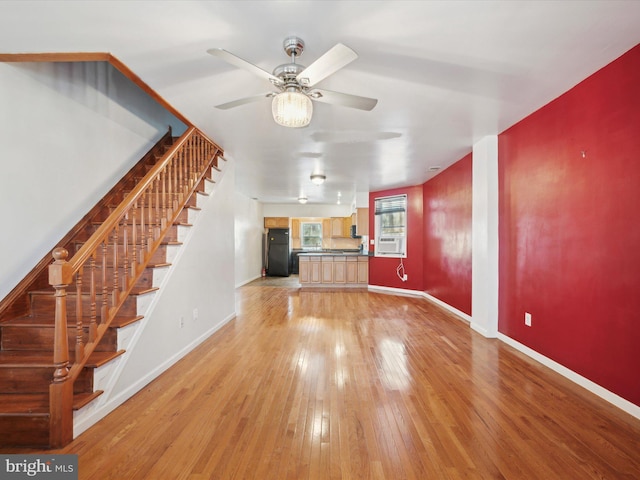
x,y
124,243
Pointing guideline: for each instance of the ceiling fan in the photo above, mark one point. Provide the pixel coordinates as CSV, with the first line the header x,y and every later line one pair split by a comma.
x,y
291,105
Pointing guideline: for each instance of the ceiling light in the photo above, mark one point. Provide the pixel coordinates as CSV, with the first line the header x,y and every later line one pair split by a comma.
x,y
302,200
292,109
318,178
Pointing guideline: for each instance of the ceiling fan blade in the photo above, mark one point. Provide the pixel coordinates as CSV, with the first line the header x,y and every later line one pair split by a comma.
x,y
241,63
243,101
332,61
344,99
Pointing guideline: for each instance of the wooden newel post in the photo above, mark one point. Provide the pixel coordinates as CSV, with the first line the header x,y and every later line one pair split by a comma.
x,y
60,390
60,277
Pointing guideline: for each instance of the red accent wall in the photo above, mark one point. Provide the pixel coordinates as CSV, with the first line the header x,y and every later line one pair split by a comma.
x,y
382,271
447,235
570,228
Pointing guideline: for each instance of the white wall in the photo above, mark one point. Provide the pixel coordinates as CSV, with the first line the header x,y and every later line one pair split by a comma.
x,y
68,132
249,228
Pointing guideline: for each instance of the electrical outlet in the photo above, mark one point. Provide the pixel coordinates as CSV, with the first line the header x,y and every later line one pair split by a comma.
x,y
181,322
195,314
527,319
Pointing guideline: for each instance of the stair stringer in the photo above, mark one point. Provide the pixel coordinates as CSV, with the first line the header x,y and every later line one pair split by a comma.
x,y
110,376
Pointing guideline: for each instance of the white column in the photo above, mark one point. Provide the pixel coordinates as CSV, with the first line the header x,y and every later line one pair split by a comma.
x,y
484,259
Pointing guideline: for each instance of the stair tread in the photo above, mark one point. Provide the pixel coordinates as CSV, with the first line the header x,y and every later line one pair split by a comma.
x,y
49,321
82,399
30,359
24,403
70,292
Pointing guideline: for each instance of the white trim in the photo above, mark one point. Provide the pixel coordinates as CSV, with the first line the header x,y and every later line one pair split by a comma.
x,y
621,403
395,291
446,306
114,402
248,281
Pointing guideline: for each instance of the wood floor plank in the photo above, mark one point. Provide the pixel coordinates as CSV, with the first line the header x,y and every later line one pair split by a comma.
x,y
357,385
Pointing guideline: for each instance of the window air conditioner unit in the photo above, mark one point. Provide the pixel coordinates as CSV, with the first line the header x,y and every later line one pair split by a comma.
x,y
390,246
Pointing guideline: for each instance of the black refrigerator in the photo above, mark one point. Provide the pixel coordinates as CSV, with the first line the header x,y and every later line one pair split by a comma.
x,y
278,252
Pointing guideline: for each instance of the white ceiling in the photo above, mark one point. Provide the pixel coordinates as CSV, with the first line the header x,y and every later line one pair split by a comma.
x,y
445,73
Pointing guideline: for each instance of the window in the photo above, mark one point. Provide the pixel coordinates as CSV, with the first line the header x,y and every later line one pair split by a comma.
x,y
391,226
311,235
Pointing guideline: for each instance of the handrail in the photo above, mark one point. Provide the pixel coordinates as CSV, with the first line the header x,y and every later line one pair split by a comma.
x,y
15,303
141,221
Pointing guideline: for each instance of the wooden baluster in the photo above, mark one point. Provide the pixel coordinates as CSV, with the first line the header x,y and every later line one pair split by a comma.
x,y
149,193
179,168
114,291
156,230
124,282
104,311
170,186
165,209
143,236
79,327
93,323
192,151
134,241
60,278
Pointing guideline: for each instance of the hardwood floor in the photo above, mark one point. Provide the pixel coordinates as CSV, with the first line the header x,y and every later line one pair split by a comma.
x,y
357,385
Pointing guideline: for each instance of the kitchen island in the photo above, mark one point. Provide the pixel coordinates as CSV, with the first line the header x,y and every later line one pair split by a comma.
x,y
332,269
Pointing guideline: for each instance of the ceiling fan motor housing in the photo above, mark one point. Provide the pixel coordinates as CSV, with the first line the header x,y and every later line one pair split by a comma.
x,y
293,46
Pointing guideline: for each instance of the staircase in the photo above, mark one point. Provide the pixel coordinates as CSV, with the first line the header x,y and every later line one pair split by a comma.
x,y
52,340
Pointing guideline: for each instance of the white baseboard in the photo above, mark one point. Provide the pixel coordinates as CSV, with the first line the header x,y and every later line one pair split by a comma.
x,y
395,291
104,409
621,403
248,281
446,306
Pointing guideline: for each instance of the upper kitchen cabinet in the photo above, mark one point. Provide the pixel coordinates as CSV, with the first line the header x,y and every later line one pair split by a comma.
x,y
276,222
326,228
362,221
295,228
340,227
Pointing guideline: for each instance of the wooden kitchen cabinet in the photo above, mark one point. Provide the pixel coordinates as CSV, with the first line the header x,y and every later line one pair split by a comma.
x,y
310,270
276,222
363,269
337,227
340,227
303,270
315,270
326,228
327,269
362,221
339,270
295,228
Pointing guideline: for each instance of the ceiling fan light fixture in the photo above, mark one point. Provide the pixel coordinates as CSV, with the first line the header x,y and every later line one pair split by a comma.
x,y
292,109
318,178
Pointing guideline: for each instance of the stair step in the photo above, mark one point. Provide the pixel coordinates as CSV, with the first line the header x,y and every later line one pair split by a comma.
x,y
32,372
26,359
43,302
81,400
37,333
27,430
21,403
